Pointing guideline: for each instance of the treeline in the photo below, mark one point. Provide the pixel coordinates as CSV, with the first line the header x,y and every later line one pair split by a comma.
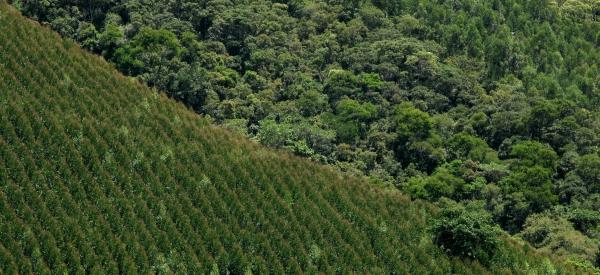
x,y
493,103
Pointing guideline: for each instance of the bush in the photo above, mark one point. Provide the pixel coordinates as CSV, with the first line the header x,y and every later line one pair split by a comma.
x,y
556,235
466,232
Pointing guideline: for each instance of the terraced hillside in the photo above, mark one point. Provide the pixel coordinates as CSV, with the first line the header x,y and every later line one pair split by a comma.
x,y
99,174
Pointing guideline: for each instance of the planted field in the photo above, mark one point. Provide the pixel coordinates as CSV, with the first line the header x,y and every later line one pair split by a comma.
x,y
100,174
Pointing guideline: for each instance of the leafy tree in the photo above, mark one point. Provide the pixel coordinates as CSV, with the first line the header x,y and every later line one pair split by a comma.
x,y
349,109
501,54
392,7
584,220
588,168
466,232
372,16
558,237
149,48
313,102
440,184
542,115
110,40
425,154
571,188
531,153
340,83
465,146
411,123
88,36
534,184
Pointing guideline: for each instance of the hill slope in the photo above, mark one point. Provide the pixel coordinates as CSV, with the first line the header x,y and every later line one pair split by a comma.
x,y
100,174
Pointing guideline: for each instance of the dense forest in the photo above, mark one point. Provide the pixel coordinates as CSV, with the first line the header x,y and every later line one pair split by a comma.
x,y
490,104
99,174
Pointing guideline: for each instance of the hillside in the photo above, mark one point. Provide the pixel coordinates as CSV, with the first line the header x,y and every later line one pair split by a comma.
x,y
101,174
494,105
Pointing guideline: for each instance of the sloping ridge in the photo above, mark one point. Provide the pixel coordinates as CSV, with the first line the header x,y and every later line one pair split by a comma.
x,y
100,173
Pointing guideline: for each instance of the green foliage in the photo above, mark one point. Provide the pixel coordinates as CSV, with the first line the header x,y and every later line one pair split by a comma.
x,y
557,236
312,103
467,147
372,16
456,180
535,183
531,153
467,232
440,184
101,174
411,123
302,138
341,83
146,50
110,39
348,109
588,168
392,90
350,119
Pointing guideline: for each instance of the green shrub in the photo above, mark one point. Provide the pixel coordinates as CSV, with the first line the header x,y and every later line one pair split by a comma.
x,y
467,233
